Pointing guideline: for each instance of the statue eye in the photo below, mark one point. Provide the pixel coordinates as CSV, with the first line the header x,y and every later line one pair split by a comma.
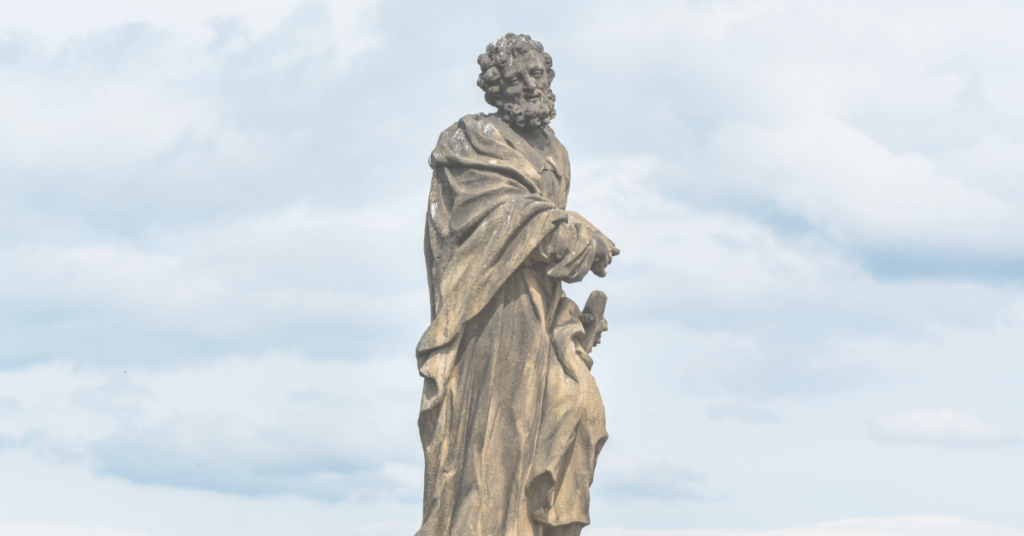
x,y
511,81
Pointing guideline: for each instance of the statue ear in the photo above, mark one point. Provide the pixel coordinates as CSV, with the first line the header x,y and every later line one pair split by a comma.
x,y
490,82
492,94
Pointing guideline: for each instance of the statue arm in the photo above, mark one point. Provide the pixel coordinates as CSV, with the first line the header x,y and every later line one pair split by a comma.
x,y
574,248
605,247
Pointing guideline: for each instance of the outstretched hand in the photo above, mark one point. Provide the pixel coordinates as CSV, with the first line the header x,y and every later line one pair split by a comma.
x,y
603,257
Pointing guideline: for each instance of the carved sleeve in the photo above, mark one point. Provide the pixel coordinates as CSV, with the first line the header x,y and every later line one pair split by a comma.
x,y
569,250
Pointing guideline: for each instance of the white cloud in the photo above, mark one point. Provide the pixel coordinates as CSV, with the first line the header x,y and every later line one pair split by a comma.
x,y
884,526
322,453
387,528
268,277
661,480
859,192
40,529
995,162
277,425
128,128
941,427
744,411
92,122
37,491
838,58
697,263
847,124
40,399
57,21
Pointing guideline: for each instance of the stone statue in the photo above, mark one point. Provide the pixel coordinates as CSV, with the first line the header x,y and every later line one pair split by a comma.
x,y
511,420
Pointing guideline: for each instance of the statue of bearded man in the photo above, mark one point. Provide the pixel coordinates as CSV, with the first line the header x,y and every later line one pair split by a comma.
x,y
511,420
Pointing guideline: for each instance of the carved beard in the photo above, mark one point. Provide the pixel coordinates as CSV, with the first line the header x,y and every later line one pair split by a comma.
x,y
527,114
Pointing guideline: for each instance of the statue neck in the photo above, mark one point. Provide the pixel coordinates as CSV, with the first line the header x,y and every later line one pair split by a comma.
x,y
536,137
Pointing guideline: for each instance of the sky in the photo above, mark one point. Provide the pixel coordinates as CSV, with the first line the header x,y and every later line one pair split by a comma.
x,y
212,284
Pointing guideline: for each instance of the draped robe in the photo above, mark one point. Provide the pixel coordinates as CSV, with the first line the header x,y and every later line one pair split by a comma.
x,y
511,420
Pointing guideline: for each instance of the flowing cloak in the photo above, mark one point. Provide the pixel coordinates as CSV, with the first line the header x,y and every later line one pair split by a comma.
x,y
511,420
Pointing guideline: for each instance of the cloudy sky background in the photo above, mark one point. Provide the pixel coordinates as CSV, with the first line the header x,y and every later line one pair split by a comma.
x,y
211,274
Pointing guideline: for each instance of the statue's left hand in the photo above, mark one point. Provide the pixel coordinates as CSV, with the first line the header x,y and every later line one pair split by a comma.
x,y
603,257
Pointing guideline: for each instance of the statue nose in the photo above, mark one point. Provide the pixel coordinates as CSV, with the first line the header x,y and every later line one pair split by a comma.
x,y
530,83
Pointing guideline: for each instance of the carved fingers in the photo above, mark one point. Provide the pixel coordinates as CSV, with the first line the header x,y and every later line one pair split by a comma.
x,y
605,250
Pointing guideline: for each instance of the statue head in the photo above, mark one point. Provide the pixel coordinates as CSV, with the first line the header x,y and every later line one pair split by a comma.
x,y
516,74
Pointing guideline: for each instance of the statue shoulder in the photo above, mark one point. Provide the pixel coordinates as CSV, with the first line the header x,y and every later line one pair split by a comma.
x,y
470,137
472,125
559,150
554,139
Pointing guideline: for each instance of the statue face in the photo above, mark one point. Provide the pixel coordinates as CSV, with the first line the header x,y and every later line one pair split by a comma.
x,y
525,80
526,99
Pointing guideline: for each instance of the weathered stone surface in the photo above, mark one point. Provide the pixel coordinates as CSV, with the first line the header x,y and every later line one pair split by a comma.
x,y
511,420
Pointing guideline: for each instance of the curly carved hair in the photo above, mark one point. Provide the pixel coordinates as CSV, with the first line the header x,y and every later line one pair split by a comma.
x,y
499,55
